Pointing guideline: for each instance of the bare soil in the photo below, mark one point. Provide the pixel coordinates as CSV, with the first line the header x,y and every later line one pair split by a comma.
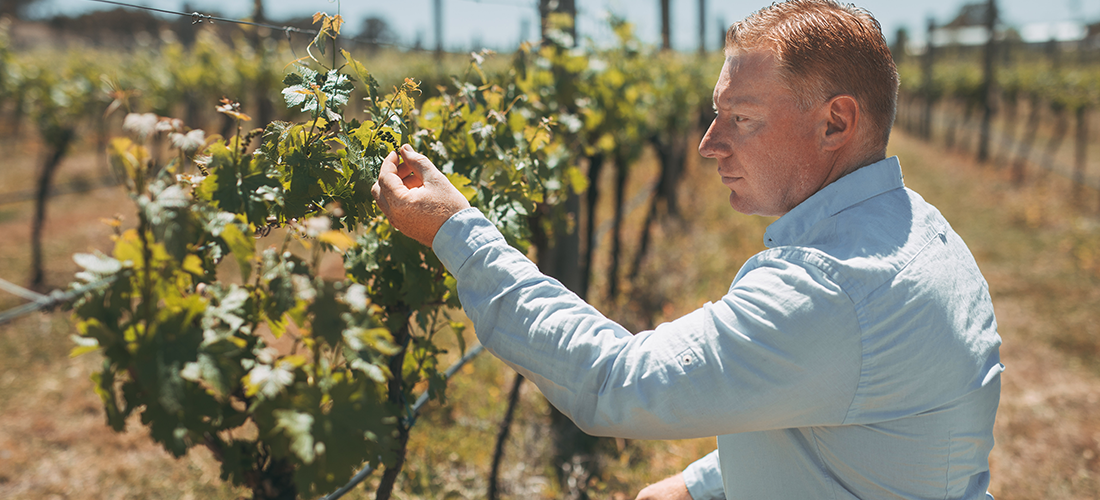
x,y
1038,245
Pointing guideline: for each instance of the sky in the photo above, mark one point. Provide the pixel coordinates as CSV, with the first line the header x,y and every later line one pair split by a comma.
x,y
500,24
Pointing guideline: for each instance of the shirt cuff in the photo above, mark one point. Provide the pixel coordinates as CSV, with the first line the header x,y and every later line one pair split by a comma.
x,y
461,235
704,478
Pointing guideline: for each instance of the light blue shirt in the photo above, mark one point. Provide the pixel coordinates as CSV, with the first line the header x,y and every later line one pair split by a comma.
x,y
857,357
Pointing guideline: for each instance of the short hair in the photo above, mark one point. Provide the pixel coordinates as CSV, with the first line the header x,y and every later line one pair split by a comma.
x,y
826,49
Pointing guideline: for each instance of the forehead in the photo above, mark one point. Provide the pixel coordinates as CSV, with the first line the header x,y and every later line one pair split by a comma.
x,y
750,77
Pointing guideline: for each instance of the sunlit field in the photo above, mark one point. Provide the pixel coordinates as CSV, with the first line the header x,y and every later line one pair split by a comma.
x,y
1038,244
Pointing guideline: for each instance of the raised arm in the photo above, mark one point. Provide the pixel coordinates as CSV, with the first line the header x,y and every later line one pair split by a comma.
x,y
416,196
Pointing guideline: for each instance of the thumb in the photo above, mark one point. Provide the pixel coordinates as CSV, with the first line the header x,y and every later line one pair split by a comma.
x,y
388,179
419,163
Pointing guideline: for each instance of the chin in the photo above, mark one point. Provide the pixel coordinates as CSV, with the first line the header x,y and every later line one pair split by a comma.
x,y
747,207
739,204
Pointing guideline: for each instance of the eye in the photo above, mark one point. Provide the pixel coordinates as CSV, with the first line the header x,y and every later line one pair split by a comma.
x,y
739,118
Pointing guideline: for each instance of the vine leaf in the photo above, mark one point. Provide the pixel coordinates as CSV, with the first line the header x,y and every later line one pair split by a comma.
x,y
338,239
242,247
463,184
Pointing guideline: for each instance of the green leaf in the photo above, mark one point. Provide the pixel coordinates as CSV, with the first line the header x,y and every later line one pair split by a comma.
x,y
84,345
193,264
459,329
297,427
104,385
95,266
355,65
338,239
267,381
292,79
242,246
463,184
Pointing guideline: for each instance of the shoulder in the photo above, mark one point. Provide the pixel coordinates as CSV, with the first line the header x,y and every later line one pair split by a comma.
x,y
868,244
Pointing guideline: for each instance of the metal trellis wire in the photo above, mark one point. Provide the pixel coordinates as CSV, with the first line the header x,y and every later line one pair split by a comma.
x,y
39,301
198,18
55,298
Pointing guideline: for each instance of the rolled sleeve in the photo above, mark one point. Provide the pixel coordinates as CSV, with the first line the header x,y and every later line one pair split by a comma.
x,y
720,369
704,478
459,237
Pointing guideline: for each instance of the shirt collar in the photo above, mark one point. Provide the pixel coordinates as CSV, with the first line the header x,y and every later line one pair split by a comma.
x,y
862,184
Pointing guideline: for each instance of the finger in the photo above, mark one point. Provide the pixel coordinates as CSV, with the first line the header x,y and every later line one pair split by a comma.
x,y
404,170
419,163
390,164
380,200
413,181
389,180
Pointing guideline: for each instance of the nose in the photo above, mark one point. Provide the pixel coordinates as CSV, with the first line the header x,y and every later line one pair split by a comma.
x,y
713,145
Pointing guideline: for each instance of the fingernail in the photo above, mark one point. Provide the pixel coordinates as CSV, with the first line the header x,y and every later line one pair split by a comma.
x,y
407,148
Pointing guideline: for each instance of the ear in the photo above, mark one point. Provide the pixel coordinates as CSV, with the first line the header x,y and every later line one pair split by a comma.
x,y
842,121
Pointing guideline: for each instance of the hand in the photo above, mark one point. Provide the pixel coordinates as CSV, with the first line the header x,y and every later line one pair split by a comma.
x,y
416,196
672,488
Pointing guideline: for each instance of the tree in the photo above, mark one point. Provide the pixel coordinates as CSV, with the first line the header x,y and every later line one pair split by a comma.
x,y
15,8
376,31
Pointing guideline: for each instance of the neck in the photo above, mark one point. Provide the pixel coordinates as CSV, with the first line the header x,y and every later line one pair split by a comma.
x,y
855,160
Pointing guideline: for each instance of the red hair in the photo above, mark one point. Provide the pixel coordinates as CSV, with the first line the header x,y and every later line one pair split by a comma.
x,y
826,49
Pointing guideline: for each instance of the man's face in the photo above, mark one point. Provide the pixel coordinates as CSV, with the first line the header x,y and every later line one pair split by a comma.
x,y
767,149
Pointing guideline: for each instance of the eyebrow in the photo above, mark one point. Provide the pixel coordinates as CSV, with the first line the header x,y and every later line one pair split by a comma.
x,y
739,101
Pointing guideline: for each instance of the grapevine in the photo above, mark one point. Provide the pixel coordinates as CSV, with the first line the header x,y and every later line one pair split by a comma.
x,y
245,349
290,379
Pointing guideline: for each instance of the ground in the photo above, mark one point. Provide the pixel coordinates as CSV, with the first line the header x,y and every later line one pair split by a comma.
x,y
1038,246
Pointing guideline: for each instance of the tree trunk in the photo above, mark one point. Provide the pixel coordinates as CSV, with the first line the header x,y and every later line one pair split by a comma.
x,y
1061,126
557,257
60,145
671,155
1024,150
396,396
621,171
1080,150
502,437
275,482
595,167
1010,125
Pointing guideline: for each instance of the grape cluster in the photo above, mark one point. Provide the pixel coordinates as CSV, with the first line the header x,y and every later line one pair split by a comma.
x,y
387,137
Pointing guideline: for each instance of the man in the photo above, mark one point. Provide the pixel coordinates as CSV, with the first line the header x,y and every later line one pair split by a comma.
x,y
857,357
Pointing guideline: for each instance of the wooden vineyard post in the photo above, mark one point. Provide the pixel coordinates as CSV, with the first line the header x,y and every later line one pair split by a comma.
x,y
666,25
567,7
1080,156
988,81
702,27
926,86
437,9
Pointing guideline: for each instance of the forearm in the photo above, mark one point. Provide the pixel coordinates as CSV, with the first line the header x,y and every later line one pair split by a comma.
x,y
588,366
740,364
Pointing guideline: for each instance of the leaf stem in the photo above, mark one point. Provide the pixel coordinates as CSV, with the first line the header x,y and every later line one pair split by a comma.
x,y
389,112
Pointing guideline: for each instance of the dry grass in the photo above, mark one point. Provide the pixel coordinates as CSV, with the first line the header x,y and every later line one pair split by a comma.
x,y
1038,251
1036,246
